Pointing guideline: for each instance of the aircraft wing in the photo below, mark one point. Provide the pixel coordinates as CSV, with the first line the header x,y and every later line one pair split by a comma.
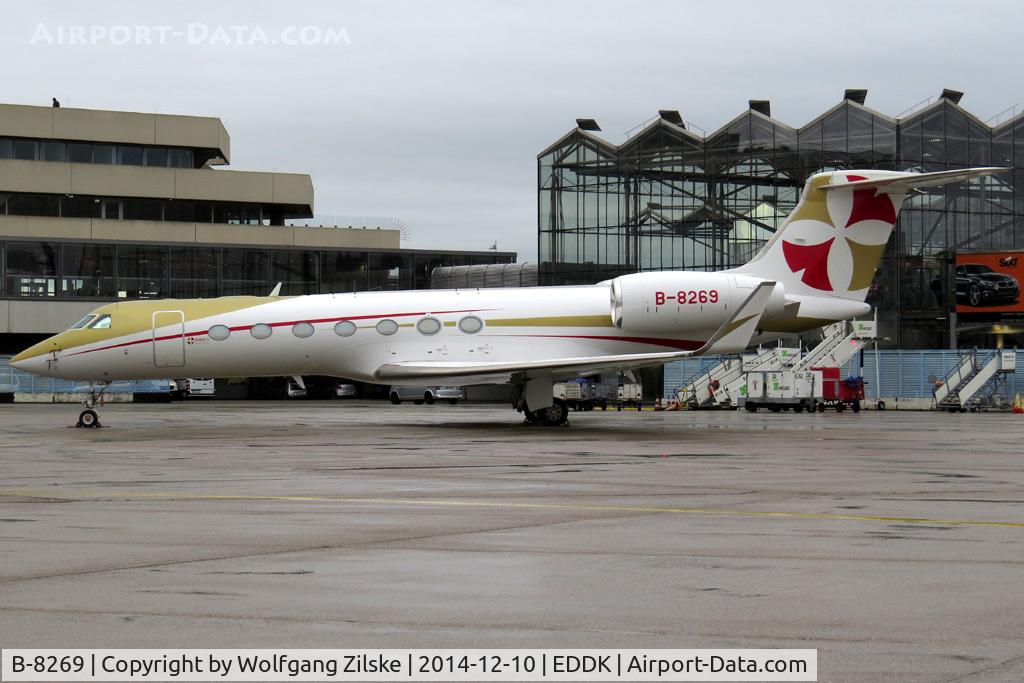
x,y
732,337
904,183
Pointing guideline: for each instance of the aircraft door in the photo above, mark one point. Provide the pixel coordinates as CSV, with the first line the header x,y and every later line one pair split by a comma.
x,y
168,339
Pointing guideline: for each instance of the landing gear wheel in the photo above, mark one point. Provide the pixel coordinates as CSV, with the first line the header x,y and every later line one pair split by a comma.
x,y
428,398
553,416
88,419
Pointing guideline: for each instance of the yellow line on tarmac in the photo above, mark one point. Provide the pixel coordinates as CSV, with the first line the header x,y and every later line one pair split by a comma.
x,y
509,505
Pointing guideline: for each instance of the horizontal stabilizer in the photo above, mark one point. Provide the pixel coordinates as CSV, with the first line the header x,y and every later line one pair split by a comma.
x,y
733,336
901,184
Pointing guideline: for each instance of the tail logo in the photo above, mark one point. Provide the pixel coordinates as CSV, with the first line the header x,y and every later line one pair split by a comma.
x,y
834,259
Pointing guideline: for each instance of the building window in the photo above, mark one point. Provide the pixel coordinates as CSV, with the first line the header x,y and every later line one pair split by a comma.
x,y
53,151
181,158
302,330
387,327
143,210
102,154
129,155
79,207
87,270
346,328
6,149
110,208
428,326
25,149
79,152
156,156
33,205
296,270
261,331
245,272
219,332
193,272
471,324
141,271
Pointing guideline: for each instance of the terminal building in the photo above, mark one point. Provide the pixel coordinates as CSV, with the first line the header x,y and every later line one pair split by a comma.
x,y
104,205
672,196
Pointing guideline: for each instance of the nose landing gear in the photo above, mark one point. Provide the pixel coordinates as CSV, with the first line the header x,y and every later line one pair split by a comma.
x,y
88,418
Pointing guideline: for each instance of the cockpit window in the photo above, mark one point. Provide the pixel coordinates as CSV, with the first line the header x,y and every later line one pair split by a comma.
x,y
101,323
83,322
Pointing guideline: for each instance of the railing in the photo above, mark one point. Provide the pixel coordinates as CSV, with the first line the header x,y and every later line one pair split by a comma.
x,y
16,381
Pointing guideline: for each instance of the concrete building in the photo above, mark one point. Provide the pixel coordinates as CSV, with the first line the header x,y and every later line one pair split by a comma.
x,y
104,205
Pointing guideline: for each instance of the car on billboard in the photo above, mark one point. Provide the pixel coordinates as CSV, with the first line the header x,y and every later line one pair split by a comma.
x,y
979,285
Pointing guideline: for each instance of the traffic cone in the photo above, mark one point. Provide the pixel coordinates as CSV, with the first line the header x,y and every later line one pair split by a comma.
x,y
1018,404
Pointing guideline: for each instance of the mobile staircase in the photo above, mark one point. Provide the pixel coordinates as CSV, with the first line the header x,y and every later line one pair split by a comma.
x,y
697,392
766,360
840,342
708,387
975,384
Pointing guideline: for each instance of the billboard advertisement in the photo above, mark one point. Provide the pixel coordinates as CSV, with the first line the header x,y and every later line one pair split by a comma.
x,y
989,282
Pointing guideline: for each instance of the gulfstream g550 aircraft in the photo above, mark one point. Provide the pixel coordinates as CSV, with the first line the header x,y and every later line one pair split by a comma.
x,y
814,271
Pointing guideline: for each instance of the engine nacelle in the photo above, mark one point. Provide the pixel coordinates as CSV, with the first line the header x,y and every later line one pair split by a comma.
x,y
682,302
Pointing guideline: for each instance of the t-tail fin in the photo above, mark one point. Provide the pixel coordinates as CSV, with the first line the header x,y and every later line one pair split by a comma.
x,y
834,239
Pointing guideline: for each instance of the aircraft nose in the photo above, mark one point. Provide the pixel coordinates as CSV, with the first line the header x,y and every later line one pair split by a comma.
x,y
33,359
36,364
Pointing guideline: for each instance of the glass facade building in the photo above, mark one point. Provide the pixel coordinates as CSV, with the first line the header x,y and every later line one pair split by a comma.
x,y
668,198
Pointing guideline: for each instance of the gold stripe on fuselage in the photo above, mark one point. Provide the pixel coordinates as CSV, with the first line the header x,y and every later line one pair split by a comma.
x,y
132,317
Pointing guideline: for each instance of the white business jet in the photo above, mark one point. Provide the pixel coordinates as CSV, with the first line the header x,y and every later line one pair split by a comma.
x,y
814,271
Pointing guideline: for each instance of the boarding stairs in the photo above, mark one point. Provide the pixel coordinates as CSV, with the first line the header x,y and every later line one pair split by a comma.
x,y
766,360
706,387
975,383
840,342
696,391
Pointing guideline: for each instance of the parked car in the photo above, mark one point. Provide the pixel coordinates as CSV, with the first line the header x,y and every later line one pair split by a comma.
x,y
426,395
978,285
184,388
345,390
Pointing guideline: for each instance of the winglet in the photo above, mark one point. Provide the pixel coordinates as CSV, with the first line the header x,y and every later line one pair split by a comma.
x,y
276,291
735,333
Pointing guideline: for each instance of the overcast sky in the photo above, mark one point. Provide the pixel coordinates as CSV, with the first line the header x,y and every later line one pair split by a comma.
x,y
435,112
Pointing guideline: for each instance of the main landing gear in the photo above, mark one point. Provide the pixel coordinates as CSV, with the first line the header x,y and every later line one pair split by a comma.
x,y
536,389
88,418
555,415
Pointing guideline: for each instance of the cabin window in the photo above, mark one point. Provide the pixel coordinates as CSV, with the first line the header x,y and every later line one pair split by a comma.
x,y
101,323
83,322
219,332
302,330
428,326
346,328
471,324
261,331
387,326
